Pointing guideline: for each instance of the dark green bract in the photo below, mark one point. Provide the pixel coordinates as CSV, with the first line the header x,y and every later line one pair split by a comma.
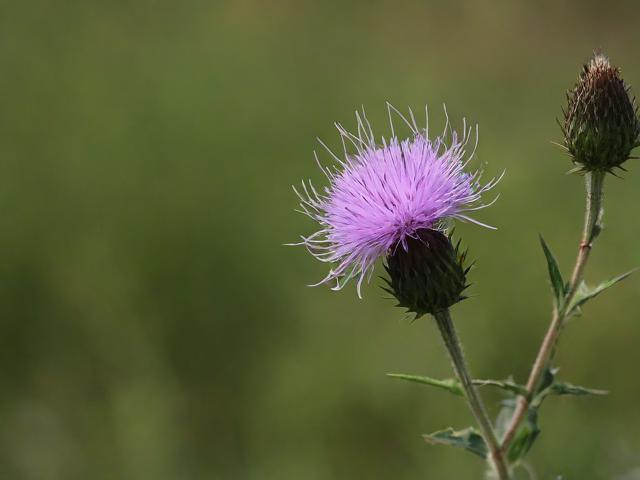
x,y
429,275
601,125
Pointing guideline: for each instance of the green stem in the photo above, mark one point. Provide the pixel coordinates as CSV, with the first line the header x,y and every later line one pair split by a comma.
x,y
452,342
591,229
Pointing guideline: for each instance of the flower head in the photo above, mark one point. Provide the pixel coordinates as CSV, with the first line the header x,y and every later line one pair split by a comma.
x,y
601,125
382,195
429,275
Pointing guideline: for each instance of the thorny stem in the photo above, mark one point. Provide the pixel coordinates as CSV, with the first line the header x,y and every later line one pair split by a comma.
x,y
450,337
561,311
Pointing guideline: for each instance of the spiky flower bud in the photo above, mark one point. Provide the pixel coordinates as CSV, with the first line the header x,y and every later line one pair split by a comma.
x,y
601,125
427,273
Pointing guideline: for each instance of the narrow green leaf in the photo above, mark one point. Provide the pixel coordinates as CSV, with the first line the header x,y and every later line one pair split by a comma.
x,y
586,293
452,385
527,432
469,439
544,388
569,389
448,384
507,385
548,377
503,420
549,386
525,437
557,283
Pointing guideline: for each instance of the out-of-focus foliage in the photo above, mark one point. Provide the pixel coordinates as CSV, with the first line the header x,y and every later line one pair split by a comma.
x,y
152,325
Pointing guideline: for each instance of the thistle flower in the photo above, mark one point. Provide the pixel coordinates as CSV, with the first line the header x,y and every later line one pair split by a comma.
x,y
381,197
601,125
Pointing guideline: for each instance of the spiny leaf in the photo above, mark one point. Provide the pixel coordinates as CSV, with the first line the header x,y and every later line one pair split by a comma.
x,y
527,432
449,384
469,439
549,386
586,293
507,385
454,386
503,420
544,388
548,378
525,437
557,283
569,389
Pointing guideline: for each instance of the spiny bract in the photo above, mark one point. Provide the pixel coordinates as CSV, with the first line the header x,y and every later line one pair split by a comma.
x,y
428,276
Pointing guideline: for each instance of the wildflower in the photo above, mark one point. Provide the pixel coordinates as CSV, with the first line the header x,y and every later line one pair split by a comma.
x,y
389,196
601,126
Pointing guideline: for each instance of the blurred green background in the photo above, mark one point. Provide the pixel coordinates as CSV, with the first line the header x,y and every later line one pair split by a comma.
x,y
153,325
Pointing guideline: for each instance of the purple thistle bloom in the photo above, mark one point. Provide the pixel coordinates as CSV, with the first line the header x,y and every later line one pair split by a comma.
x,y
381,195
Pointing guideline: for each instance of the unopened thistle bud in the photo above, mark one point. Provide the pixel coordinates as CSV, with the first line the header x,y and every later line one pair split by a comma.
x,y
601,125
427,272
